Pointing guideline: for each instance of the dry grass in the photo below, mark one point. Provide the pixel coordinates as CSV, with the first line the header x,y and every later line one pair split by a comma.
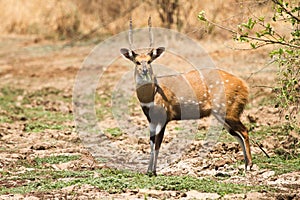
x,y
57,19
44,18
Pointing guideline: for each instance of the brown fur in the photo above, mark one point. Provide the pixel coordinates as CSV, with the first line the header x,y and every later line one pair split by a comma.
x,y
236,94
191,95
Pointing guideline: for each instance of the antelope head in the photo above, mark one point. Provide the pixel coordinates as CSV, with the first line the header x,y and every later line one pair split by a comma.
x,y
143,69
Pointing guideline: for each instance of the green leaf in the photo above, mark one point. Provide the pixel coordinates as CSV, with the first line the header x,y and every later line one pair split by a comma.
x,y
258,34
253,45
201,16
289,51
250,24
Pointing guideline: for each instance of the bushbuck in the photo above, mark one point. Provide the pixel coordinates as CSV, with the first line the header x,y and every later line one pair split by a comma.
x,y
160,104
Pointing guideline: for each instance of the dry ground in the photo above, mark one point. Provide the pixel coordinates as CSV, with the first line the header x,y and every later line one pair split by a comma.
x,y
45,72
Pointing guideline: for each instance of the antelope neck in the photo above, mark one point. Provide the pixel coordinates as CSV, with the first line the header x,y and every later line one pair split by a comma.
x,y
146,92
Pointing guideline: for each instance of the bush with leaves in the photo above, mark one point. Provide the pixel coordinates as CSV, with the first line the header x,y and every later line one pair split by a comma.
x,y
258,32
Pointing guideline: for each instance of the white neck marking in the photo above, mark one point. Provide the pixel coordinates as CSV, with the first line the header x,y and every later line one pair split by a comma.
x,y
148,105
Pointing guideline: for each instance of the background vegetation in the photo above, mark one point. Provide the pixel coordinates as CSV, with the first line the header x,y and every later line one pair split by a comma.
x,y
40,151
261,30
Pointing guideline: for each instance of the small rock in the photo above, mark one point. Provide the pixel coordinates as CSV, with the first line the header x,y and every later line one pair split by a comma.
x,y
41,146
233,146
258,195
143,141
31,198
268,174
222,174
234,196
26,151
63,166
272,110
16,156
255,167
252,118
193,194
157,193
221,163
286,196
241,167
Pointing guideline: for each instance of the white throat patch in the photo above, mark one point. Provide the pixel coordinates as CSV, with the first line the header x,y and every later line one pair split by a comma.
x,y
148,105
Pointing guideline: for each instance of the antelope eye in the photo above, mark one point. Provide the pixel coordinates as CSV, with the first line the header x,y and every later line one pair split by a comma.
x,y
138,63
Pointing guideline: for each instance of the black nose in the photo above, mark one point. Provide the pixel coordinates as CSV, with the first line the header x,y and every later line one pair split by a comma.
x,y
145,71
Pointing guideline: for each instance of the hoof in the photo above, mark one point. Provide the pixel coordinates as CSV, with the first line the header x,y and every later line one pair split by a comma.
x,y
248,166
150,174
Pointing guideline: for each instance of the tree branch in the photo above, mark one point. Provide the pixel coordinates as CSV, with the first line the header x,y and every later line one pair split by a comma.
x,y
267,41
286,10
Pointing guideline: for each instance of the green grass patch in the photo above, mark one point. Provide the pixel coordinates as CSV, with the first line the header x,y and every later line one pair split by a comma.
x,y
39,119
5,119
117,181
278,164
114,132
40,126
55,159
18,105
200,134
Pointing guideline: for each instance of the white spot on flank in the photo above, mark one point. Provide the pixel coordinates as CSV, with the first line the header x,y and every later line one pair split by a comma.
x,y
181,98
239,86
227,81
211,86
223,104
200,102
217,82
215,111
205,95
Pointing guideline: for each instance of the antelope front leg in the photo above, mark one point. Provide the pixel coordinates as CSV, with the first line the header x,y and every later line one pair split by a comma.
x,y
156,137
158,140
152,144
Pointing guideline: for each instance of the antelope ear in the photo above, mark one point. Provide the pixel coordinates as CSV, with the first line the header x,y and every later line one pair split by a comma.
x,y
128,54
155,53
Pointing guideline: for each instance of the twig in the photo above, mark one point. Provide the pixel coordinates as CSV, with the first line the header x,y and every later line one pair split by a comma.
x,y
266,66
260,146
267,41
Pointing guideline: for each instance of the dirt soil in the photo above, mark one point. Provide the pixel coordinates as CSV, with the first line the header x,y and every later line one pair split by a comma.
x,y
42,65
